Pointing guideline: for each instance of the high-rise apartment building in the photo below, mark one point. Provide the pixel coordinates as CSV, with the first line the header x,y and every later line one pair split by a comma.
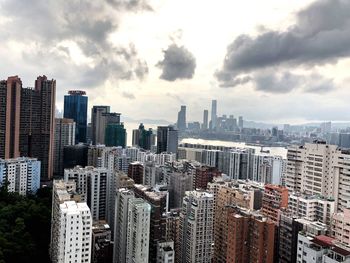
x,y
227,194
288,230
115,135
178,185
64,135
205,120
274,199
159,206
181,119
65,192
196,227
167,139
138,235
92,185
74,233
22,174
98,124
27,121
75,107
10,114
213,114
319,169
250,237
121,224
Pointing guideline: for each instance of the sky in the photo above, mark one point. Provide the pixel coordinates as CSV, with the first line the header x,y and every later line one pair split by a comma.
x,y
273,61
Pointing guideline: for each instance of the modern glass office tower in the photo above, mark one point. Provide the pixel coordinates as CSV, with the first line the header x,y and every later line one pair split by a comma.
x,y
75,107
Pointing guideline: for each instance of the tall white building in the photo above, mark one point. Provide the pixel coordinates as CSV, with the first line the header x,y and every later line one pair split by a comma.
x,y
121,224
74,233
319,169
64,135
92,184
196,227
64,199
22,174
139,217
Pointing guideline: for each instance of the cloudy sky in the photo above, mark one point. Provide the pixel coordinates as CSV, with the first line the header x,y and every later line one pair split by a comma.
x,y
274,60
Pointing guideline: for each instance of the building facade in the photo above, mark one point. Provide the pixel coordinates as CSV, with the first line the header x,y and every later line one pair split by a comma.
x,y
65,135
196,227
22,174
75,107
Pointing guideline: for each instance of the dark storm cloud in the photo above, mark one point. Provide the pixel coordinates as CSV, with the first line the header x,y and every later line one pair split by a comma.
x,y
285,82
178,63
321,35
88,24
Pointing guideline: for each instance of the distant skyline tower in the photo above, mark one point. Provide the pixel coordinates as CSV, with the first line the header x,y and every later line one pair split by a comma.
x,y
97,129
205,119
213,113
115,135
181,118
167,139
75,107
240,122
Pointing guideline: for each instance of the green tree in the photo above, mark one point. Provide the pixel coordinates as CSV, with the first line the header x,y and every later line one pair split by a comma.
x,y
25,226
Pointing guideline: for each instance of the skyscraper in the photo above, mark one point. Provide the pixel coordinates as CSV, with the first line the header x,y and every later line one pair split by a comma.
x,y
75,107
142,137
181,118
121,224
10,109
167,139
64,135
250,237
213,114
205,120
27,121
97,124
115,135
74,233
274,199
158,202
139,216
101,117
92,185
240,122
196,227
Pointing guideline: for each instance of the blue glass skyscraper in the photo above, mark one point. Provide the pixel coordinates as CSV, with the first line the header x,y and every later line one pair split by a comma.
x,y
75,107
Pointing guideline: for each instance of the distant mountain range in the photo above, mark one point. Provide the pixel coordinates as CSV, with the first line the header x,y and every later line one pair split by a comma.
x,y
263,125
146,121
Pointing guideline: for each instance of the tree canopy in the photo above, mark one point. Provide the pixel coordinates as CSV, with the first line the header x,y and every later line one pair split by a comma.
x,y
25,226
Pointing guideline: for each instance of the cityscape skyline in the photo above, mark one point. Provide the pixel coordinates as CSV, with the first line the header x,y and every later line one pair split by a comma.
x,y
174,131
